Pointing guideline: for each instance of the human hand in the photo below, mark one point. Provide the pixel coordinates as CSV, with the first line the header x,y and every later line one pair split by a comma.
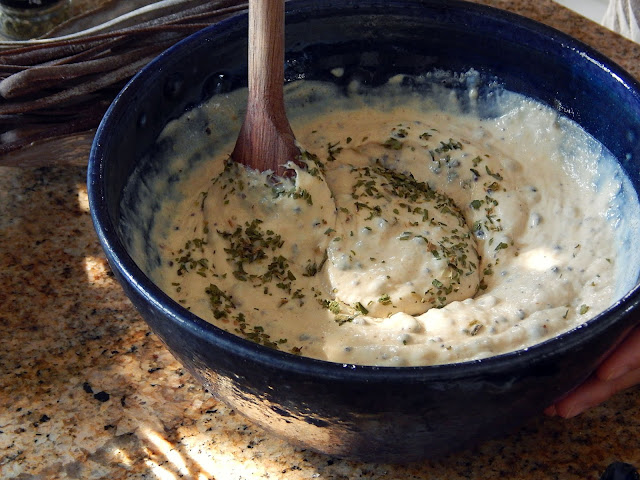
x,y
619,371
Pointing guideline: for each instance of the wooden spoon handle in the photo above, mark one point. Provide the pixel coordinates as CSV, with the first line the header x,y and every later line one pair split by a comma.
x,y
266,141
266,54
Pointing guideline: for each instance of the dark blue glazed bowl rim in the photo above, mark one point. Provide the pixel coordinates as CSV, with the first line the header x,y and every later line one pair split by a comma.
x,y
127,270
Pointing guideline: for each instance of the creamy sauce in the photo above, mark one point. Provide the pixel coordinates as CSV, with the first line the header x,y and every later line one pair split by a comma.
x,y
422,231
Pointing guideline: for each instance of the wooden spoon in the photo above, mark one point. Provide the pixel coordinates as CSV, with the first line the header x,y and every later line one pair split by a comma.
x,y
266,141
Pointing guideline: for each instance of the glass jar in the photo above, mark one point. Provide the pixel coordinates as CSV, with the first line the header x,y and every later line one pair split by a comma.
x,y
25,19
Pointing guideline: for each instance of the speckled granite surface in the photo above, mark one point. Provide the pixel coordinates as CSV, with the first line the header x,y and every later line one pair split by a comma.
x,y
87,392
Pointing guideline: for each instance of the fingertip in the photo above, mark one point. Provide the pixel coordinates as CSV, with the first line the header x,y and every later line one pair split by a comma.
x,y
551,411
569,408
573,411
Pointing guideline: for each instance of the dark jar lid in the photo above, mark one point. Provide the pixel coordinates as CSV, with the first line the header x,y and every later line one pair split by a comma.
x,y
30,4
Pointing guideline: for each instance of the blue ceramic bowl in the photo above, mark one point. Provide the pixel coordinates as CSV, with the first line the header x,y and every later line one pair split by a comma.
x,y
382,414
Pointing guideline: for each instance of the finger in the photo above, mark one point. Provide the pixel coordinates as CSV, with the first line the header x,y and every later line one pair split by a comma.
x,y
624,359
590,393
593,392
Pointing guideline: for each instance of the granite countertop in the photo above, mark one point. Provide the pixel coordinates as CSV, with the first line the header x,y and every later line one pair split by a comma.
x,y
88,392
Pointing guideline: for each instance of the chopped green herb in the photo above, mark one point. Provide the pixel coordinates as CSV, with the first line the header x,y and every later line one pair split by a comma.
x,y
384,299
476,204
360,308
393,144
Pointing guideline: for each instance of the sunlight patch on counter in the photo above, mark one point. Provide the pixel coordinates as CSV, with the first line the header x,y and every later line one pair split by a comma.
x,y
160,472
192,459
96,269
121,457
167,450
83,198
